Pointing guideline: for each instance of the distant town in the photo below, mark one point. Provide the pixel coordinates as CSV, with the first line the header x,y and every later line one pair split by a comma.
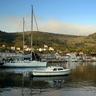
x,y
50,47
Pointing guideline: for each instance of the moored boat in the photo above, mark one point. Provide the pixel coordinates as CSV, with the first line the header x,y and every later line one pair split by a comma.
x,y
51,71
31,61
22,61
24,64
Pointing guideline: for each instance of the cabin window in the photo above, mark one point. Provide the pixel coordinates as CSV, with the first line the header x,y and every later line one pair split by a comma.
x,y
60,69
54,69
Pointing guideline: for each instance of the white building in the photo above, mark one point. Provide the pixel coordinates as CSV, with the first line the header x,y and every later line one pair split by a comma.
x,y
70,57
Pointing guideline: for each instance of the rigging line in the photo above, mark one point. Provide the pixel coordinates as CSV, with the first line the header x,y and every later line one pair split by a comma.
x,y
36,22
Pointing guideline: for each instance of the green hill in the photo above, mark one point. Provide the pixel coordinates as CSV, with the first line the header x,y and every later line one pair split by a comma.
x,y
61,42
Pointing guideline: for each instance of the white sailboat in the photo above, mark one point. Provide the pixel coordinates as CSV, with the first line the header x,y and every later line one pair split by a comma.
x,y
20,61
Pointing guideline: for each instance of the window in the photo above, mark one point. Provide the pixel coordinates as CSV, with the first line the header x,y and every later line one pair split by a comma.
x,y
60,69
54,69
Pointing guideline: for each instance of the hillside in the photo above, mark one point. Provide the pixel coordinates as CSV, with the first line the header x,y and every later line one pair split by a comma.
x,y
7,38
57,41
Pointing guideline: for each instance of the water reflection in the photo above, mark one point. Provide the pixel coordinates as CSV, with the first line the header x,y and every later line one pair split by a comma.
x,y
52,82
16,82
84,72
28,85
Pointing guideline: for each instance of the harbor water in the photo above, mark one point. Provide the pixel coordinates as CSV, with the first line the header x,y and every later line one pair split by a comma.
x,y
81,81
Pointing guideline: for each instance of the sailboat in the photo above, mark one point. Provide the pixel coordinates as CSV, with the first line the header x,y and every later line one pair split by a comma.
x,y
22,61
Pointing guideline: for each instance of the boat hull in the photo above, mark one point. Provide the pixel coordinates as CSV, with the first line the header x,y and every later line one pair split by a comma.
x,y
49,73
24,64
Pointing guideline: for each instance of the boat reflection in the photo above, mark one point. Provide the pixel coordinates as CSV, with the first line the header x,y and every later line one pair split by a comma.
x,y
50,78
53,82
28,86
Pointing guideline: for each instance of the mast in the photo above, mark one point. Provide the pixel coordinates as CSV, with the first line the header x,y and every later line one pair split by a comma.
x,y
23,34
31,26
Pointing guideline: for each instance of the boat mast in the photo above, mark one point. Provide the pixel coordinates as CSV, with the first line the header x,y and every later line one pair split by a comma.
x,y
31,27
23,34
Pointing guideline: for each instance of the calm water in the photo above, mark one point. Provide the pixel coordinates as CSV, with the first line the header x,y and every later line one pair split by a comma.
x,y
81,82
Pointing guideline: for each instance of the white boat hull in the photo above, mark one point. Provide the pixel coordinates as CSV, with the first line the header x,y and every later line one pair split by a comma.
x,y
49,73
25,64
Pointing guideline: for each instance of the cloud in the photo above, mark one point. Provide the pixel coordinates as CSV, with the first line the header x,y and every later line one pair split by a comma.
x,y
10,24
14,24
67,28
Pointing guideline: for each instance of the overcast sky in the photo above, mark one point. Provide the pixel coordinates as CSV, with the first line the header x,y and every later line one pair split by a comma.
x,y
76,17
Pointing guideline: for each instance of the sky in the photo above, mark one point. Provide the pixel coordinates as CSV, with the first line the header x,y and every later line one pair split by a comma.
x,y
74,17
